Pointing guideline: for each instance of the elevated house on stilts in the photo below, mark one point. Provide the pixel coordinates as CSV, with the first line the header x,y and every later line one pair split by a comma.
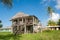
x,y
24,23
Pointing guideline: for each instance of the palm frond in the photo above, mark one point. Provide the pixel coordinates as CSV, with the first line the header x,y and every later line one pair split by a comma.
x,y
49,9
7,2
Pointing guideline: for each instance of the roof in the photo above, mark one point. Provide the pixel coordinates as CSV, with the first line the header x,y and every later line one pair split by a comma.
x,y
53,26
19,14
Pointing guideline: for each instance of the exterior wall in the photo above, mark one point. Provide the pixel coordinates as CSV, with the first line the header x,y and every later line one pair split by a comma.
x,y
37,28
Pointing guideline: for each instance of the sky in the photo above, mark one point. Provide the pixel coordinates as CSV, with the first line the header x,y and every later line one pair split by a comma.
x,y
31,7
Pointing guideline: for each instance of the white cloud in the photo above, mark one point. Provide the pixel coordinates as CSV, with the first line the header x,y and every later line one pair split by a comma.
x,y
46,2
55,17
54,0
42,2
58,4
58,1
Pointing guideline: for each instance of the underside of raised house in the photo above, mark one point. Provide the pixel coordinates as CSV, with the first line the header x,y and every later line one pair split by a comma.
x,y
22,29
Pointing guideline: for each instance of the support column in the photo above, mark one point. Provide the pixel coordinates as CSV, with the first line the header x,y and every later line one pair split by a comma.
x,y
35,21
22,20
17,24
52,28
57,28
25,26
12,30
33,24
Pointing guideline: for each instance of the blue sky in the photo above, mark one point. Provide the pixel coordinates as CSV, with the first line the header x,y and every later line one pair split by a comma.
x,y
31,7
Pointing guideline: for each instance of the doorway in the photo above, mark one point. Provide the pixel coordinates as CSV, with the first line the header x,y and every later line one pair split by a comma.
x,y
29,29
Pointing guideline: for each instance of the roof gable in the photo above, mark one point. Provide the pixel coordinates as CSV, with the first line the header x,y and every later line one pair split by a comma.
x,y
20,14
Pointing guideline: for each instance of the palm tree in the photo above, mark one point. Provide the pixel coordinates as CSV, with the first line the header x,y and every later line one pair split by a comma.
x,y
50,11
7,2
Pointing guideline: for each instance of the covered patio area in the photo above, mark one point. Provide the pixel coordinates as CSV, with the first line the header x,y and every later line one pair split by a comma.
x,y
54,27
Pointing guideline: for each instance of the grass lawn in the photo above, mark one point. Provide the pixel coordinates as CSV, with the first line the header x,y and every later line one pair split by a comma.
x,y
46,35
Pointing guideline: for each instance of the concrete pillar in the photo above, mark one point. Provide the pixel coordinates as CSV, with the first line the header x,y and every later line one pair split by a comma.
x,y
33,24
52,28
18,24
57,28
35,20
22,21
25,26
12,27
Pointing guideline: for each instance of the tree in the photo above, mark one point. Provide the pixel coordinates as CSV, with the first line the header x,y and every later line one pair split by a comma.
x,y
50,11
7,2
1,24
50,14
58,23
51,23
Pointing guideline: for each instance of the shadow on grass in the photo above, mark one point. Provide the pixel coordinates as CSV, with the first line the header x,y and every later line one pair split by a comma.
x,y
10,37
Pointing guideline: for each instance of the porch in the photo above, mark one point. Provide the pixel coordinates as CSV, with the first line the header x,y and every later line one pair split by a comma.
x,y
54,28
